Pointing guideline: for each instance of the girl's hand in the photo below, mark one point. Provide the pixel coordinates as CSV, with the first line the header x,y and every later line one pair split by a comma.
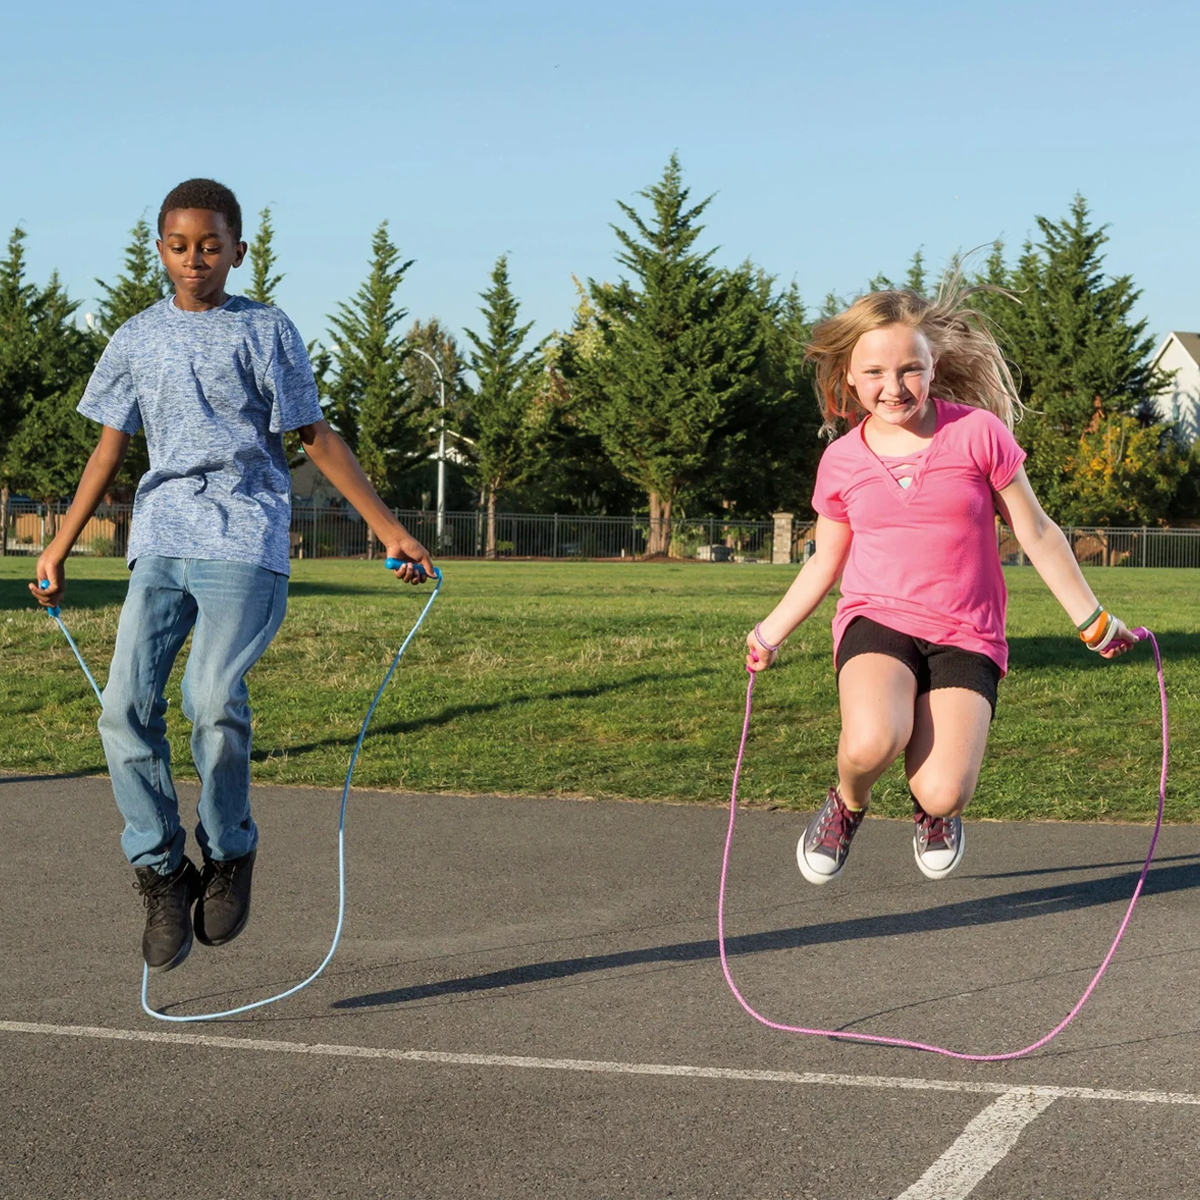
x,y
407,547
1121,640
758,656
49,567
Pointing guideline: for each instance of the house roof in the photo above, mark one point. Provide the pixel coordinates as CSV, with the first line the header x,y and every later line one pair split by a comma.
x,y
1189,341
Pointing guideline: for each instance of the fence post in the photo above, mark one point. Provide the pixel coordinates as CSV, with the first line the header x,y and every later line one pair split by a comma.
x,y
555,554
1143,541
781,548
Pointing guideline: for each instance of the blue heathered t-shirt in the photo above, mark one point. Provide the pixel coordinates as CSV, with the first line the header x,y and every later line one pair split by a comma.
x,y
215,392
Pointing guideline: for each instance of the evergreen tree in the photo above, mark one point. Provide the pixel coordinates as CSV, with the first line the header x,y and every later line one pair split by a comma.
x,y
144,282
507,410
368,396
1081,357
916,280
682,344
45,361
770,465
19,301
262,262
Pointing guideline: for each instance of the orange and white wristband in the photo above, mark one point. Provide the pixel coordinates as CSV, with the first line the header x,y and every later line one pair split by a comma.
x,y
1106,630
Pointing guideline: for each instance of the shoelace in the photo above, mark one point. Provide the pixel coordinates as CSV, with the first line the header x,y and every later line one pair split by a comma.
x,y
837,827
934,827
218,881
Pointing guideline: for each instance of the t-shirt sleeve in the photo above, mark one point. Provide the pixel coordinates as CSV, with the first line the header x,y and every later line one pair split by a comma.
x,y
827,494
110,396
289,383
996,451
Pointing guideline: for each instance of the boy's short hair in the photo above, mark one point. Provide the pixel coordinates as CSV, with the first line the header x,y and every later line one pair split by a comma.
x,y
204,193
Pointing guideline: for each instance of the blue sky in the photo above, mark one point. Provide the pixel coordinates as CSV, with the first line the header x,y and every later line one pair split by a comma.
x,y
837,138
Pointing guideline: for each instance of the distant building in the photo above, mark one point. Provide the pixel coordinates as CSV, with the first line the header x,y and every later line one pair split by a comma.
x,y
1180,403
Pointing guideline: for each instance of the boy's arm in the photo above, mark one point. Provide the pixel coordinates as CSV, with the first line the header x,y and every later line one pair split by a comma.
x,y
334,459
102,467
808,589
1051,555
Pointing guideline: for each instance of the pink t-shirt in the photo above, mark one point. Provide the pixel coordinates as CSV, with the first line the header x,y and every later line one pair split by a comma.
x,y
923,558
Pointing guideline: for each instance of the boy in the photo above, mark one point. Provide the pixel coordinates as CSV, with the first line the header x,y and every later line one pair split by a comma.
x,y
215,380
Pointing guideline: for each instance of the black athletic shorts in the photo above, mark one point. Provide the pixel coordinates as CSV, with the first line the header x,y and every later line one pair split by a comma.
x,y
934,666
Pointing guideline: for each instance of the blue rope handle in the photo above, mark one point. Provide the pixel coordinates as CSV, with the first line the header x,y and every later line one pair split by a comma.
x,y
391,564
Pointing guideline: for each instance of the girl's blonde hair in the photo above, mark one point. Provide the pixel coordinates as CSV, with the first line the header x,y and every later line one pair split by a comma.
x,y
970,365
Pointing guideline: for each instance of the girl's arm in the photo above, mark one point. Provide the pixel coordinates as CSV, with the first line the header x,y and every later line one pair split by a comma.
x,y
1047,549
102,467
334,459
808,589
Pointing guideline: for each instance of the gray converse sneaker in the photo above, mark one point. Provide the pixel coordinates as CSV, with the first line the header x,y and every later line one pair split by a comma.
x,y
822,850
938,843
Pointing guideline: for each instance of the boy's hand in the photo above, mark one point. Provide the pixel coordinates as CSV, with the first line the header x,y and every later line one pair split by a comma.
x,y
51,568
758,656
407,547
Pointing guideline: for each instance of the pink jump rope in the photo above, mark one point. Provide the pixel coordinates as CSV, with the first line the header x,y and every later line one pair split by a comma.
x,y
1140,634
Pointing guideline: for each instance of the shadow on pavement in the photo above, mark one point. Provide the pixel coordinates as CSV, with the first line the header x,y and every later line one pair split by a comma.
x,y
989,910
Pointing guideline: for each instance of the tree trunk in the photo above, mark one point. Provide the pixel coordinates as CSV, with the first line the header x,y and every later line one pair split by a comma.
x,y
370,544
659,541
490,550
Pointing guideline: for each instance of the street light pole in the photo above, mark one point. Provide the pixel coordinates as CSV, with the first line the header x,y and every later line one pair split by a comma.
x,y
441,460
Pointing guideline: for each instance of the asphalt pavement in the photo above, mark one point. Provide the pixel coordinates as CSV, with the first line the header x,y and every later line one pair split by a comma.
x,y
528,1001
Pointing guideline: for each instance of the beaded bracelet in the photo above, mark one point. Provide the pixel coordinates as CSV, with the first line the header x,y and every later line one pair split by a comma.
x,y
1085,624
762,641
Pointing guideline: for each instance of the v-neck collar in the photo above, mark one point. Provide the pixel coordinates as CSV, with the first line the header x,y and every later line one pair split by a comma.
x,y
921,460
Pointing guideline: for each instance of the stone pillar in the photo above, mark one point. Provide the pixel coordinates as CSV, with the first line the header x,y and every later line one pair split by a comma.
x,y
781,548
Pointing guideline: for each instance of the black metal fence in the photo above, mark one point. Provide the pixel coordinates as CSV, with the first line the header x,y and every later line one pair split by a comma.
x,y
337,531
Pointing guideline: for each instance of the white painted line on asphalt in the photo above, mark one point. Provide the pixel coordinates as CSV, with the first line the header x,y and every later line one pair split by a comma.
x,y
264,1045
983,1144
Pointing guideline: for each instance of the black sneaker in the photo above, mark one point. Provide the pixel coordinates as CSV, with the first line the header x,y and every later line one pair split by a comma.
x,y
224,906
168,899
938,843
823,849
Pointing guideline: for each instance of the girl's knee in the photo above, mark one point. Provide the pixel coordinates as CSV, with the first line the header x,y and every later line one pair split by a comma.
x,y
867,749
941,797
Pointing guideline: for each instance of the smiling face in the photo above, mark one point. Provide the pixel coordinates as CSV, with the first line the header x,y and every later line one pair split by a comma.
x,y
890,371
199,250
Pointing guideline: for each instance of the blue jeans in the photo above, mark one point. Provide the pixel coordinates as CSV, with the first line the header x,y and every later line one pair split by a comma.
x,y
236,609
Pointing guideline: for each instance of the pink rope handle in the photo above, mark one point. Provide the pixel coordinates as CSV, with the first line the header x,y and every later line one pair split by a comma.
x,y
1141,634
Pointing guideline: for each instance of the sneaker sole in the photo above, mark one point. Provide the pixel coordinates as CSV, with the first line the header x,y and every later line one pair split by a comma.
x,y
932,874
813,876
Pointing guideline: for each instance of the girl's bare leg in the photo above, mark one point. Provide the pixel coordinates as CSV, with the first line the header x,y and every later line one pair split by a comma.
x,y
945,751
877,695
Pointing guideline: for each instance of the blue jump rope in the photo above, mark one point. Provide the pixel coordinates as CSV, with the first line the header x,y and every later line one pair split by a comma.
x,y
391,564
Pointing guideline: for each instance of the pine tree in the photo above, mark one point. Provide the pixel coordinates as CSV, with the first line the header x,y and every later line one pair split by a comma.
x,y
771,463
682,343
45,360
1081,358
369,397
916,280
262,262
506,420
144,282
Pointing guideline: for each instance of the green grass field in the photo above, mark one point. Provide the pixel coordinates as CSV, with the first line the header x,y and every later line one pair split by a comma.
x,y
618,680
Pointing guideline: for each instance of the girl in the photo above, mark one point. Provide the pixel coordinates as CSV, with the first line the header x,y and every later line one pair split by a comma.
x,y
905,507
